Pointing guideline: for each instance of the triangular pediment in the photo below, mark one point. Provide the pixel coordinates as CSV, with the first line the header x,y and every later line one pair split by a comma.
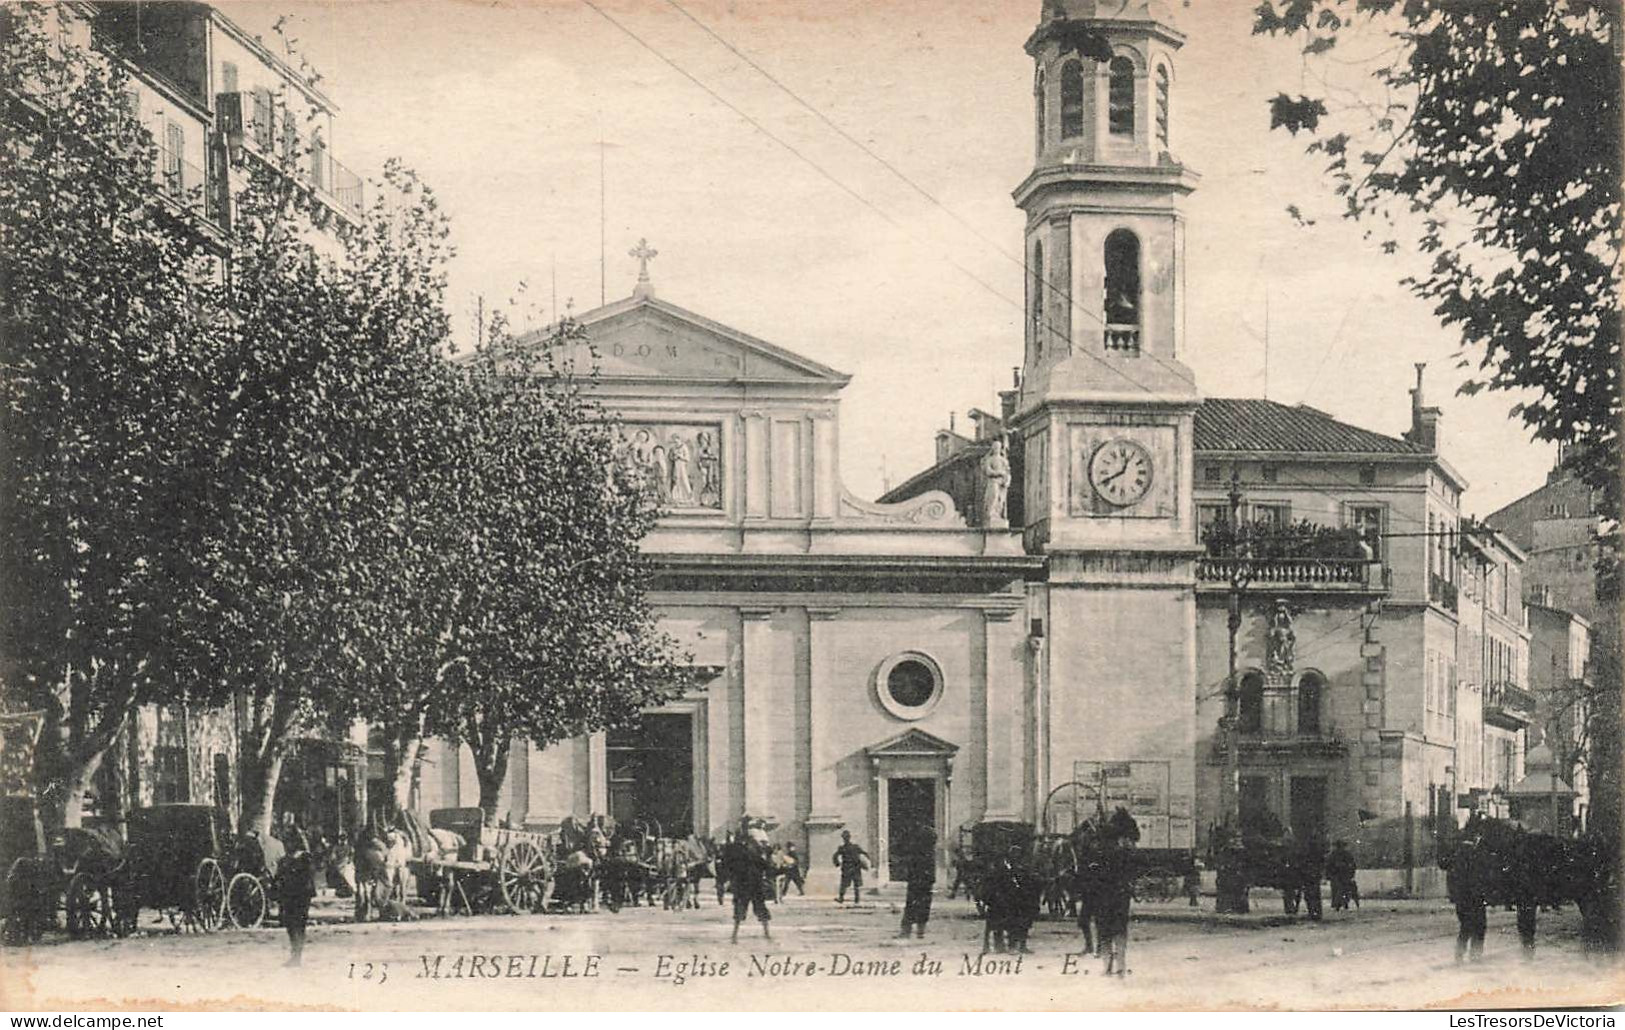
x,y
645,338
912,744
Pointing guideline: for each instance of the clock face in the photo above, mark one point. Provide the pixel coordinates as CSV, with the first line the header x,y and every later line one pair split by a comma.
x,y
1121,471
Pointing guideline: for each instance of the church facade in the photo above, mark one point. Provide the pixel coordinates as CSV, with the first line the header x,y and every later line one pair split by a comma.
x,y
868,664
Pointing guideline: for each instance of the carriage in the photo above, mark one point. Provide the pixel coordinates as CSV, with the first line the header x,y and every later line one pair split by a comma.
x,y
176,862
492,865
68,878
251,886
981,847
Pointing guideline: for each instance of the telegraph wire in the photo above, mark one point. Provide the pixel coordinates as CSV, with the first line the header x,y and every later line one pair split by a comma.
x,y
890,220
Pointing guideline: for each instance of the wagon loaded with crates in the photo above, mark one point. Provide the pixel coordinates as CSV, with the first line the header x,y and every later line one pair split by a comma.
x,y
1165,842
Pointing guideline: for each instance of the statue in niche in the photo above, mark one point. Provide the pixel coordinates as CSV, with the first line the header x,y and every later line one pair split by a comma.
x,y
1281,642
682,458
996,489
710,481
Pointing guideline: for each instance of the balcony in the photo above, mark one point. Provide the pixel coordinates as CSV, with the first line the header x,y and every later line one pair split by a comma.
x,y
1441,591
265,131
1508,706
186,185
1266,746
1123,338
1284,574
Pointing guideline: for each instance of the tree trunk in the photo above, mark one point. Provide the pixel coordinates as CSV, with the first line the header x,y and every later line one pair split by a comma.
x,y
407,757
491,766
260,777
76,782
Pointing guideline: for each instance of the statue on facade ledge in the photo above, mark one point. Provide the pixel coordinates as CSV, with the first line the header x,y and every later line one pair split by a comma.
x,y
996,490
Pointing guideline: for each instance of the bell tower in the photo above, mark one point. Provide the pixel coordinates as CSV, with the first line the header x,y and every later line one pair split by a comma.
x,y
1106,406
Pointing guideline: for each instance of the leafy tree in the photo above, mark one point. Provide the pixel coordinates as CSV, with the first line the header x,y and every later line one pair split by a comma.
x,y
104,326
553,634
330,382
1500,142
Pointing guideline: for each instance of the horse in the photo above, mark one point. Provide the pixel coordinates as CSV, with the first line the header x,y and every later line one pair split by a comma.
x,y
1491,862
380,872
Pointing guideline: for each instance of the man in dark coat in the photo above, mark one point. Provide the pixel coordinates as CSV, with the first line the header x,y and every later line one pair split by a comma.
x,y
1115,900
920,872
295,886
1311,868
1340,870
850,857
747,866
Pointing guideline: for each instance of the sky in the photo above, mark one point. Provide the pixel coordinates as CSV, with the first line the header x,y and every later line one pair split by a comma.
x,y
509,110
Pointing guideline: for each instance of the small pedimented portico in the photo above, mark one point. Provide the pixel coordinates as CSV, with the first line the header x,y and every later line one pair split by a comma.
x,y
911,777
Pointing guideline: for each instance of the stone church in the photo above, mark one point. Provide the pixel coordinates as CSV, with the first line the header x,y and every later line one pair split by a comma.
x,y
1033,628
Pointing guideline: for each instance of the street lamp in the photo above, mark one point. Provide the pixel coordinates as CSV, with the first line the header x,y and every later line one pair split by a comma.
x,y
1232,885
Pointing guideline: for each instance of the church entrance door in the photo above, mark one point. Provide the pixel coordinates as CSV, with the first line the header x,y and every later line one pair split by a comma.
x,y
910,805
651,773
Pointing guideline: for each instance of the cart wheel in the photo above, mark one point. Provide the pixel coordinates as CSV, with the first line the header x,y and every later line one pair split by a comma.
x,y
522,876
208,895
88,909
245,901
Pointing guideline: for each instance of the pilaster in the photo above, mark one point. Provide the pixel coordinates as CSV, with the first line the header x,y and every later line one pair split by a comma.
x,y
756,464
1004,722
756,640
825,471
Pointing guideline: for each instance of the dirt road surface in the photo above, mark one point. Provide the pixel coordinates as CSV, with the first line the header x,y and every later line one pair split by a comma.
x,y
1393,954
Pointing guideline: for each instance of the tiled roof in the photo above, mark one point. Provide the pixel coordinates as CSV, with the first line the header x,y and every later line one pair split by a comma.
x,y
1249,424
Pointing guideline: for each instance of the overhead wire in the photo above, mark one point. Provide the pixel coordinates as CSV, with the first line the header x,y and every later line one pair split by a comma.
x,y
756,124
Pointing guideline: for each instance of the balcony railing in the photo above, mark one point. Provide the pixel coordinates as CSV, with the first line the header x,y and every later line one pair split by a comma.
x,y
1442,591
1308,573
1123,337
266,130
1508,705
185,184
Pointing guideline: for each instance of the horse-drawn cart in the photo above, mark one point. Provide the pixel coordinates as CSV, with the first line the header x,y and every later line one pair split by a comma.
x,y
73,871
492,863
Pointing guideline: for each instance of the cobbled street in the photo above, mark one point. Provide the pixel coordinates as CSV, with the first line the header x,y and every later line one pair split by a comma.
x,y
1393,954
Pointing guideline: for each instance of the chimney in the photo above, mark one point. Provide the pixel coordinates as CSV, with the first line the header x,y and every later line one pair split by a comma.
x,y
1007,404
1424,420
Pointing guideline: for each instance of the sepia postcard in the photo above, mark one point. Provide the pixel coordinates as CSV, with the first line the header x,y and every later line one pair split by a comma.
x,y
810,504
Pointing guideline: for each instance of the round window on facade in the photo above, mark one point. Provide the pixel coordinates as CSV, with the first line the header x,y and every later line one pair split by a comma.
x,y
909,685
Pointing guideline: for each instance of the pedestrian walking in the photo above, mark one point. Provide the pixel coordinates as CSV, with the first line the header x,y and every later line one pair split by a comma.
x,y
792,873
852,859
296,886
920,872
1340,870
747,866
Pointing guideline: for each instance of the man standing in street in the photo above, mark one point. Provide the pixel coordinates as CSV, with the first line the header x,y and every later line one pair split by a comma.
x,y
1340,870
851,859
746,865
295,886
920,872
